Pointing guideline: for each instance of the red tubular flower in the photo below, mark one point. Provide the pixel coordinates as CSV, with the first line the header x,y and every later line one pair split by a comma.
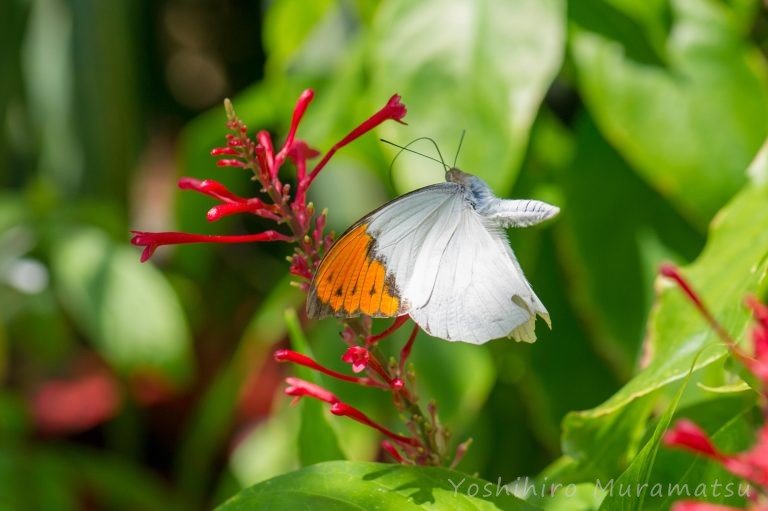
x,y
752,465
229,151
298,358
688,435
211,188
672,272
406,351
298,112
392,451
230,163
299,388
343,409
265,142
317,234
692,505
348,335
253,206
393,110
232,203
358,357
299,152
152,240
461,451
758,364
287,206
299,267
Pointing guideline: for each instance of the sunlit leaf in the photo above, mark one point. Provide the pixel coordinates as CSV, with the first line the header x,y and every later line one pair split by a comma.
x,y
637,475
690,122
353,486
483,66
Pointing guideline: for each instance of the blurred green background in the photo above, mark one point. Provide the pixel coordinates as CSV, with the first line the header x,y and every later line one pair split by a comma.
x,y
130,386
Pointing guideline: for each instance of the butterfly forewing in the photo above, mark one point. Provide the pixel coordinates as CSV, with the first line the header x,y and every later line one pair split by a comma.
x,y
361,272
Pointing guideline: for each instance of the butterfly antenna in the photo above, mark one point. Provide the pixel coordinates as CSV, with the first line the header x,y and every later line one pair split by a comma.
x,y
441,161
461,140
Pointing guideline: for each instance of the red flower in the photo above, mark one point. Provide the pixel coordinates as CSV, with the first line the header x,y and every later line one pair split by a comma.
x,y
688,435
298,358
358,357
692,505
751,465
299,388
758,363
344,409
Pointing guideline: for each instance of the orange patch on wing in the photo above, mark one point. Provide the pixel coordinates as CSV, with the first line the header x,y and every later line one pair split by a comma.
x,y
350,282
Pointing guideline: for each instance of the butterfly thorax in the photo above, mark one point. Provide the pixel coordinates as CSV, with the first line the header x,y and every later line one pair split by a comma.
x,y
476,191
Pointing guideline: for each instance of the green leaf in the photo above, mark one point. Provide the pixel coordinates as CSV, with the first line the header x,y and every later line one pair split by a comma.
x,y
758,170
572,497
128,309
483,66
289,26
690,124
638,473
740,386
317,439
602,446
727,270
346,485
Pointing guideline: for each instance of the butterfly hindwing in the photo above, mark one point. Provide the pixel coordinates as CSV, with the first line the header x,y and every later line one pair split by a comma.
x,y
479,291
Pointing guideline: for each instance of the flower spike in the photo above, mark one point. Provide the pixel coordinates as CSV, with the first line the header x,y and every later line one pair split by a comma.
x,y
286,205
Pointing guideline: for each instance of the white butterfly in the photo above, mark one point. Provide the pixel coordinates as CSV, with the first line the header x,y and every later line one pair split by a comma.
x,y
441,255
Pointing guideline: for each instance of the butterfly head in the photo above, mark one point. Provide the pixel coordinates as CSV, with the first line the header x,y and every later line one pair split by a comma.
x,y
454,175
